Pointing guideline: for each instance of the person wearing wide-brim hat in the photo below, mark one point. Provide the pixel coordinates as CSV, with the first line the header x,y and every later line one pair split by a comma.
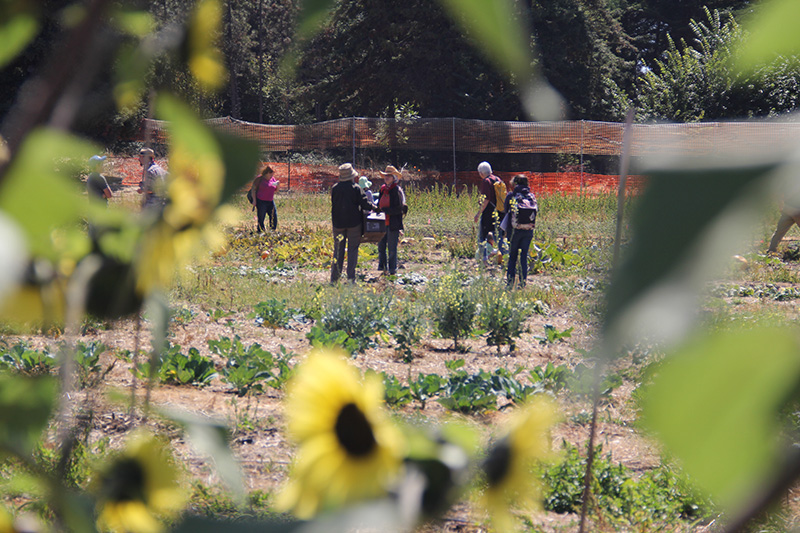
x,y
349,204
391,200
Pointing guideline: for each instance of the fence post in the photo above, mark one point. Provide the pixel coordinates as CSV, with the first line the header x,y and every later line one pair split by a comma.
x,y
289,174
582,129
354,141
455,184
623,176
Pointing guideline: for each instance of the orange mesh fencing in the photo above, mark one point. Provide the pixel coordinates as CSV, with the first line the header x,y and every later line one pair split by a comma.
x,y
315,178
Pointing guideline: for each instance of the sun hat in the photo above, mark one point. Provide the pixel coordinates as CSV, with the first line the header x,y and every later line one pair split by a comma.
x,y
347,172
97,159
364,182
391,171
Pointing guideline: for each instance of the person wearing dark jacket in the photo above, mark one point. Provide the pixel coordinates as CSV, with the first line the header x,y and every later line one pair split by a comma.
x,y
390,202
521,210
348,206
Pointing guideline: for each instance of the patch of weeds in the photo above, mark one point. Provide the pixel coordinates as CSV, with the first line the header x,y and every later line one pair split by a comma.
x,y
551,377
461,248
182,316
425,387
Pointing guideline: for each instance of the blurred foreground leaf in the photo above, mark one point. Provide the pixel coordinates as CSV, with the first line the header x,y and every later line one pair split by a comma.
x,y
211,438
18,26
25,408
772,33
686,223
40,190
715,406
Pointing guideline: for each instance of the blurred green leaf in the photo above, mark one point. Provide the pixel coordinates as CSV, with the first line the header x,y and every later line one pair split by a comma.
x,y
206,61
133,22
685,223
25,408
496,25
185,128
772,32
715,406
240,158
312,15
41,190
18,27
211,438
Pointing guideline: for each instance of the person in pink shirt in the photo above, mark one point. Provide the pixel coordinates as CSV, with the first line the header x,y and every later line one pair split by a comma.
x,y
263,189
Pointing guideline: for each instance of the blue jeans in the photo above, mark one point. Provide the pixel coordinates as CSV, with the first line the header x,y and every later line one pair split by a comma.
x,y
264,208
520,243
389,241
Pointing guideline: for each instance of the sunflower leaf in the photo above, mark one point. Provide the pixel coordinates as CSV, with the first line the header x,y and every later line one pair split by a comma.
x,y
25,408
16,30
715,406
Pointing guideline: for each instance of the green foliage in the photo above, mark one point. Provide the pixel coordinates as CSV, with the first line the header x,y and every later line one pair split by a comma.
x,y
26,405
271,313
551,377
358,313
552,335
319,338
658,496
176,368
502,315
407,326
425,387
395,393
453,307
248,366
87,359
22,359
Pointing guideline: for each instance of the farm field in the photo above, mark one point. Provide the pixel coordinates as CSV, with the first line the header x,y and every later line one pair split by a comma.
x,y
272,290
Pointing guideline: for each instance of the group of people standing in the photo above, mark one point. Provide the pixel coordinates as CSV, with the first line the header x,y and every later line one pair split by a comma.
x,y
351,202
509,220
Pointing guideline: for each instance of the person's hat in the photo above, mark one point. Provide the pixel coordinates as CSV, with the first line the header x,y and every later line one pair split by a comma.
x,y
364,182
95,159
391,171
347,172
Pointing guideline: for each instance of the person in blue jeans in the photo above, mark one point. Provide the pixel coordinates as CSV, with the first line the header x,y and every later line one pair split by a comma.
x,y
390,202
522,208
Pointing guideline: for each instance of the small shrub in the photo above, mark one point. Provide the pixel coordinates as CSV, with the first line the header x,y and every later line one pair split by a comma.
x,y
453,307
501,316
395,393
87,359
360,314
408,327
248,366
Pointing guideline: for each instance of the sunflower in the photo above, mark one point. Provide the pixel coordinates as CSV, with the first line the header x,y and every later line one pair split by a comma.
x,y
508,466
137,487
348,449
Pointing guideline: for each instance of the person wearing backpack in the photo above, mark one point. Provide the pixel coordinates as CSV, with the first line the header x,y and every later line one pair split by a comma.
x,y
521,208
262,197
489,188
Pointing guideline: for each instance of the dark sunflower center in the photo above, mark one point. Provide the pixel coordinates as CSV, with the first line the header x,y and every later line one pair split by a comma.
x,y
498,463
125,481
354,431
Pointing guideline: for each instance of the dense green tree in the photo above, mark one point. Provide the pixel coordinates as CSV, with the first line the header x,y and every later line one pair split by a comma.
x,y
585,54
374,55
696,82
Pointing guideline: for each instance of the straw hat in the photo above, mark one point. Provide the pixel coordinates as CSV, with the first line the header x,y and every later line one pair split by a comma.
x,y
364,182
391,171
347,172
